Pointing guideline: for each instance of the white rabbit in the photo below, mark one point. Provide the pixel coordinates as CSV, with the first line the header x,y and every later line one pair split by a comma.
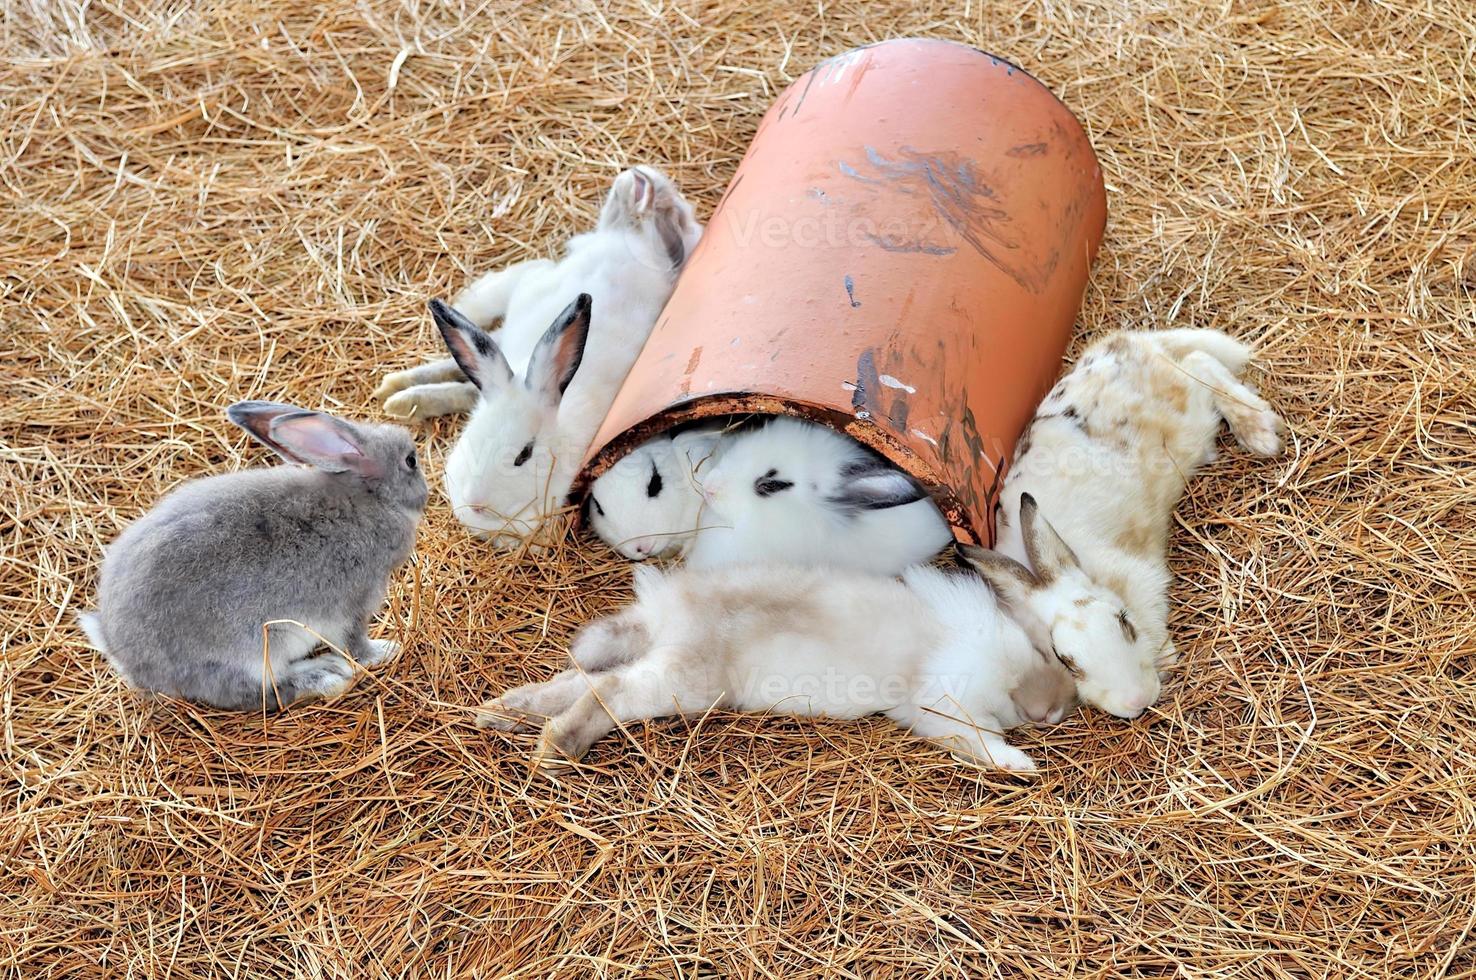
x,y
793,491
543,394
647,505
646,228
1106,458
932,652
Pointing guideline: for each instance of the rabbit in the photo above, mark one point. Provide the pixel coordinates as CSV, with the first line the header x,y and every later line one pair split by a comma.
x,y
515,460
932,652
1107,456
645,233
206,596
1045,695
798,492
1044,692
647,505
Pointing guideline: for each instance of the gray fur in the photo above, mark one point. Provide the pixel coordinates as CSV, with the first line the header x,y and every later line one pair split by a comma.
x,y
186,589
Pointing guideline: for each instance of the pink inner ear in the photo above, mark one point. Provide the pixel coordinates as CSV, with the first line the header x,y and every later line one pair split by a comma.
x,y
313,439
643,194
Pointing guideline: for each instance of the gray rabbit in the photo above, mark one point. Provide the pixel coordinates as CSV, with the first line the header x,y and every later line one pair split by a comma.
x,y
186,591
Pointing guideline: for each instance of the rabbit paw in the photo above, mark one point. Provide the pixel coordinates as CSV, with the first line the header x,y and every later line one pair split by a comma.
x,y
395,381
426,401
1011,758
407,405
991,755
325,676
1255,425
380,651
547,754
504,718
566,738
1261,433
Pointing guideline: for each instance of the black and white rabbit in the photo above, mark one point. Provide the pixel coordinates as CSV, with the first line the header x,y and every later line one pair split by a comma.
x,y
206,596
796,492
648,504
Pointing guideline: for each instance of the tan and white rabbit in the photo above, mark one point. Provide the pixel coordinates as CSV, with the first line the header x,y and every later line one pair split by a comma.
x,y
1106,458
648,504
538,403
797,492
932,652
188,590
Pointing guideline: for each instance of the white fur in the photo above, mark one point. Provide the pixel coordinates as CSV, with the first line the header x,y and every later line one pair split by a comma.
x,y
638,524
1106,459
933,653
804,524
625,266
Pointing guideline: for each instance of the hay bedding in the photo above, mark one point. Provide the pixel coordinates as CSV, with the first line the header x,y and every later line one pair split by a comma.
x,y
210,201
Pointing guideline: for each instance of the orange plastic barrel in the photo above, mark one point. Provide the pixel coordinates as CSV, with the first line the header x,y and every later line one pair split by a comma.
x,y
901,254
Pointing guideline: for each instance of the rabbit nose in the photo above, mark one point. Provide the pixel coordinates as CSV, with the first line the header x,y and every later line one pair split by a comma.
x,y
1136,706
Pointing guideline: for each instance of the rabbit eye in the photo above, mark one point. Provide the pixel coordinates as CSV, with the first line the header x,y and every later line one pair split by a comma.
x,y
1128,630
769,484
523,455
596,501
1068,663
654,487
410,461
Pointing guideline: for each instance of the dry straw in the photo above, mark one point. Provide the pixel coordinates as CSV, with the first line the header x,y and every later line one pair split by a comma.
x,y
219,199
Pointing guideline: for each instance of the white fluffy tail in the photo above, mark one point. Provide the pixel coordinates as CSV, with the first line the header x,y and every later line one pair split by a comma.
x,y
1217,344
91,624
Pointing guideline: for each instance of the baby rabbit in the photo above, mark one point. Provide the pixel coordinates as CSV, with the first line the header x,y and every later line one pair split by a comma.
x,y
932,652
647,504
1107,456
542,390
193,595
793,491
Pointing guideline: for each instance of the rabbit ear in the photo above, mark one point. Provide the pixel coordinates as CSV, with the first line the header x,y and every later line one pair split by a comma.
x,y
1013,586
1009,579
476,353
257,418
642,192
1048,552
560,351
668,226
875,486
301,436
325,442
